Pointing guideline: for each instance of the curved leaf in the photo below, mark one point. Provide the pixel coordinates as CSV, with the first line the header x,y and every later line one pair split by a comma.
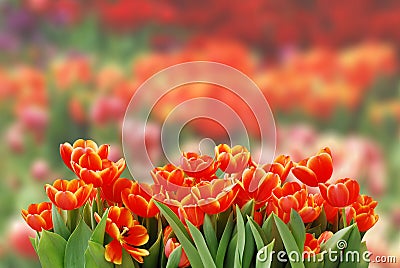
x,y
201,245
51,250
76,246
174,258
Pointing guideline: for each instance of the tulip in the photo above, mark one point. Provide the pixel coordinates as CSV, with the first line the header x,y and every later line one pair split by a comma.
x,y
281,166
232,160
92,169
330,211
192,213
112,192
73,152
127,233
140,201
340,194
38,216
325,236
69,195
316,169
170,246
364,213
169,176
201,167
258,185
216,196
311,245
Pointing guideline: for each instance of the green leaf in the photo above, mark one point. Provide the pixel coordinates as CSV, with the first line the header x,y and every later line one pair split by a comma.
x,y
332,245
98,233
174,258
352,251
264,256
94,256
153,259
296,225
59,224
127,261
289,242
258,233
51,250
211,237
181,234
248,208
201,245
76,246
363,263
34,242
231,252
248,254
224,242
241,240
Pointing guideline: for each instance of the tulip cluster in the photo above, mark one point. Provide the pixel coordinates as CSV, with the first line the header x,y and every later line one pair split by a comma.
x,y
200,192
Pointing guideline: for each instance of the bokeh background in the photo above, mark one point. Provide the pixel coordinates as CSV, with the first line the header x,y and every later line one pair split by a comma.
x,y
329,70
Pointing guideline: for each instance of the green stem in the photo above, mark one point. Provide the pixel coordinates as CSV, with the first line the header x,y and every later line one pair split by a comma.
x,y
344,217
72,219
100,208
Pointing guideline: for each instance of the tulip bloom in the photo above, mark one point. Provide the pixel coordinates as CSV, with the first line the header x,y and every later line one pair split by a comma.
x,y
73,152
170,246
325,236
38,216
311,245
192,213
92,169
127,233
364,212
68,195
330,211
281,166
169,176
258,185
232,160
201,167
340,194
140,201
112,192
316,169
216,196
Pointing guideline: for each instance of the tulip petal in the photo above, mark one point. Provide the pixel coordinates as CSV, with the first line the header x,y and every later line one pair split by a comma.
x,y
113,252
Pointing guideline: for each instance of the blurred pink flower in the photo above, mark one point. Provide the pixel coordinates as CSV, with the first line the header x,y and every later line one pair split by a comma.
x,y
40,170
18,236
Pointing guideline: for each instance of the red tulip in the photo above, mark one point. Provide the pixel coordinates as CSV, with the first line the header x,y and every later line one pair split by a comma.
x,y
69,195
311,245
316,169
170,246
127,233
201,167
38,216
232,160
140,201
342,193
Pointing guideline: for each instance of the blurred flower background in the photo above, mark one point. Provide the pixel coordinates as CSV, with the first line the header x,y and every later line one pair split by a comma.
x,y
329,70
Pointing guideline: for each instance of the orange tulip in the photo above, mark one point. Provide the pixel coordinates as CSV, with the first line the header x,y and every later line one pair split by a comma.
x,y
311,245
258,185
316,169
92,169
216,196
68,195
170,246
73,152
232,160
112,192
169,176
311,210
330,212
127,233
364,212
192,213
281,166
342,193
140,201
325,236
38,216
201,167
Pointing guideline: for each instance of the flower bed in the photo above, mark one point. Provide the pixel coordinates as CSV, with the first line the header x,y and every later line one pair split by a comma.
x,y
211,211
